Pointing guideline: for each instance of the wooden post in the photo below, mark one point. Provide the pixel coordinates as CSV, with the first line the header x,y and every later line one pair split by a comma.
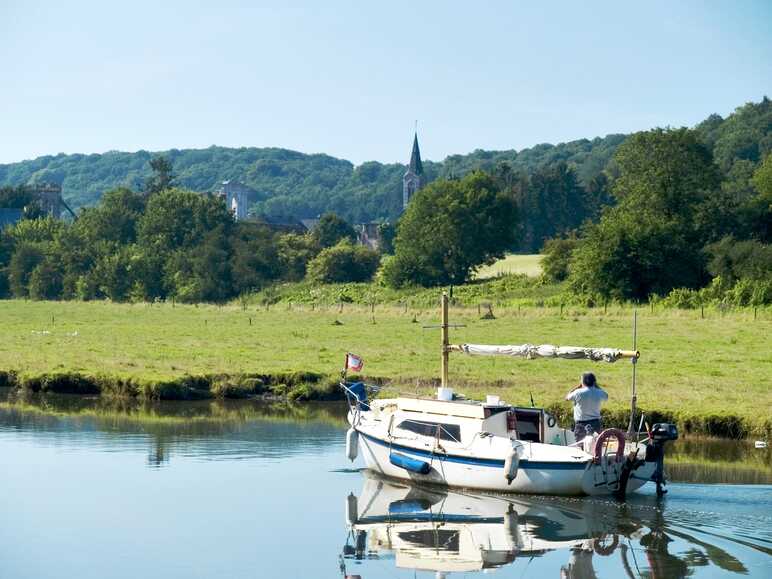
x,y
445,342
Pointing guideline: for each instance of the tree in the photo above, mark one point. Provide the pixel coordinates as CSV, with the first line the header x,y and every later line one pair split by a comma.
x,y
632,256
557,256
45,282
295,251
255,261
387,232
756,213
162,178
665,172
550,203
652,241
344,262
732,260
331,229
114,219
449,229
26,258
176,218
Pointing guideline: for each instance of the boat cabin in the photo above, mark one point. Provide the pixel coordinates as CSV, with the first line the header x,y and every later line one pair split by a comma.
x,y
460,421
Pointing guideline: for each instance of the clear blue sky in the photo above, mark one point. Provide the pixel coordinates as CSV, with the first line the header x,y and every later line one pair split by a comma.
x,y
349,78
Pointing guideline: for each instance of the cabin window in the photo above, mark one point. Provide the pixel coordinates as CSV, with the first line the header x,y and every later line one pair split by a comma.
x,y
528,424
447,431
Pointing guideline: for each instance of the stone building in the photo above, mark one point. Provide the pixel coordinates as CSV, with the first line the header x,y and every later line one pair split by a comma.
x,y
237,197
413,178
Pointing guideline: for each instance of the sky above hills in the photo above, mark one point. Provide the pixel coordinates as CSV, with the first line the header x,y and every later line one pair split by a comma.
x,y
349,78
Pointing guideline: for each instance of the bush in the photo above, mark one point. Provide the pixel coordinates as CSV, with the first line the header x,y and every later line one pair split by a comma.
x,y
343,263
45,282
557,256
733,260
750,292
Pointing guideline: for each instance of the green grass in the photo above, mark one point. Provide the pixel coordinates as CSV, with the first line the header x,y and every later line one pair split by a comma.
x,y
529,265
712,374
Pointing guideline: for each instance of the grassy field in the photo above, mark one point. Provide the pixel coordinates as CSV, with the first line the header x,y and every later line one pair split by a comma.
x,y
700,371
529,265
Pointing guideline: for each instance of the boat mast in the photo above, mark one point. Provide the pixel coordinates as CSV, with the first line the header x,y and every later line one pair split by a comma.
x,y
445,341
634,397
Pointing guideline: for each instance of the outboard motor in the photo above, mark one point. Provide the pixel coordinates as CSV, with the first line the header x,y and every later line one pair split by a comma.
x,y
660,434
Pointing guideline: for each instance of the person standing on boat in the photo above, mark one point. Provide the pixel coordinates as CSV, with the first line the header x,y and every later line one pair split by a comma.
x,y
587,398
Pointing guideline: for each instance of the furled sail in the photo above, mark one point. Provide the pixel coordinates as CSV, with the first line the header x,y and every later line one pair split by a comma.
x,y
531,351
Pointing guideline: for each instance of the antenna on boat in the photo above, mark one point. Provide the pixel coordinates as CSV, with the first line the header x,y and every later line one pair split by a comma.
x,y
634,397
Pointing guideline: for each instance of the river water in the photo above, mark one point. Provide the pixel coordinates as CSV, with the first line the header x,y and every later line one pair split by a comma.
x,y
246,489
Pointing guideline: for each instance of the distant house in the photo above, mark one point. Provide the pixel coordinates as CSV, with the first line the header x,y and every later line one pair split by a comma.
x,y
237,197
281,224
9,217
310,224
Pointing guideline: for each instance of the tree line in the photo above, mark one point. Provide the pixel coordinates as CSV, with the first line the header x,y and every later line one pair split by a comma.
x,y
167,243
671,209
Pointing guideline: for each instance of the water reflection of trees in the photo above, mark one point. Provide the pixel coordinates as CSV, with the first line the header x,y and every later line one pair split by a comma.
x,y
161,426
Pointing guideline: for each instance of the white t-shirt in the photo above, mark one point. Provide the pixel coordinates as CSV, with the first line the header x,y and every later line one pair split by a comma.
x,y
587,402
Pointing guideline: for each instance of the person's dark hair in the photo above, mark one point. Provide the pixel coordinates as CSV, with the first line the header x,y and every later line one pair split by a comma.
x,y
588,379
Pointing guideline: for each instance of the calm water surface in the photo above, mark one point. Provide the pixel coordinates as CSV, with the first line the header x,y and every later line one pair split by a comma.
x,y
252,490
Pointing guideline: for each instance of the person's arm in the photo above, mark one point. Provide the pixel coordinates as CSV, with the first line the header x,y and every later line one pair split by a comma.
x,y
572,393
604,393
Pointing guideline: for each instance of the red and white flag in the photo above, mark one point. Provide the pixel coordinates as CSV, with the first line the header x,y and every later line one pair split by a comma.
x,y
354,362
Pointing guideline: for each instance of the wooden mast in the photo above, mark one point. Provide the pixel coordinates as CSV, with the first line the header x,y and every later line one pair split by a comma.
x,y
445,341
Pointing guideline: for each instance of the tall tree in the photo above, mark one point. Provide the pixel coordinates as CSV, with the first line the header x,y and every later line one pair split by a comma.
x,y
451,228
332,229
652,240
162,178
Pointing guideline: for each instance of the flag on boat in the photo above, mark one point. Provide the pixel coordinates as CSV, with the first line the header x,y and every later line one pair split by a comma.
x,y
354,362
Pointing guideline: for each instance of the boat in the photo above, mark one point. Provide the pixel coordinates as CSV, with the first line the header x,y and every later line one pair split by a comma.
x,y
494,446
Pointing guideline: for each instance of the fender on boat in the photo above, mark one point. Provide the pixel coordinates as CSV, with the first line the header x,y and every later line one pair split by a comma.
x,y
511,463
352,509
606,435
352,444
409,464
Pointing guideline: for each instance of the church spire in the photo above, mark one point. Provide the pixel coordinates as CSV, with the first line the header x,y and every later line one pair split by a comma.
x,y
413,179
415,158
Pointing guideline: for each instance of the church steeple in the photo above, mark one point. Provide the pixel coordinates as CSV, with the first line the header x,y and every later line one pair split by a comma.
x,y
413,180
415,158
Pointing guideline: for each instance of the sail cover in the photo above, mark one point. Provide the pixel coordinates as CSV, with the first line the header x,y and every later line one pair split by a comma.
x,y
531,351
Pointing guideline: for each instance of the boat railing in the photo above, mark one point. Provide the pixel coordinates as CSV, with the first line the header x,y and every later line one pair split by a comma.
x,y
355,402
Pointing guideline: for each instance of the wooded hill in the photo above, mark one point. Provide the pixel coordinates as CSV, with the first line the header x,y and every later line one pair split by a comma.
x,y
293,184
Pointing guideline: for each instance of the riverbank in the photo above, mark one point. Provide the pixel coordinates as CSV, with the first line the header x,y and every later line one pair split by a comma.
x,y
709,372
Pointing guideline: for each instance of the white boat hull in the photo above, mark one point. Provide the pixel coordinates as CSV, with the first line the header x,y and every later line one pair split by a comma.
x,y
533,477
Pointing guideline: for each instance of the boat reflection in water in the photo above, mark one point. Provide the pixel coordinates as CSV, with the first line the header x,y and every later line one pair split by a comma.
x,y
446,531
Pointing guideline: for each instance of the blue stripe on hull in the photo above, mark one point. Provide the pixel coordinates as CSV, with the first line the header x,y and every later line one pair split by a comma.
x,y
490,462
